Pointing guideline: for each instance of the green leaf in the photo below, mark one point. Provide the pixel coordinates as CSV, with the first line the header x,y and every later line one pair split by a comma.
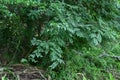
x,y
99,37
93,35
95,41
53,65
23,60
111,76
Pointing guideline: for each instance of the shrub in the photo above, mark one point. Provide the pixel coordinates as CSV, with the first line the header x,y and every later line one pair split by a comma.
x,y
51,26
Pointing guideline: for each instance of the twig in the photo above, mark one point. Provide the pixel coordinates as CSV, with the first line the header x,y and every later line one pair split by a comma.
x,y
42,75
107,55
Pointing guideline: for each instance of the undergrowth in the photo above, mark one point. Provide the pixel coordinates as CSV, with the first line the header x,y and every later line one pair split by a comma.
x,y
86,64
74,39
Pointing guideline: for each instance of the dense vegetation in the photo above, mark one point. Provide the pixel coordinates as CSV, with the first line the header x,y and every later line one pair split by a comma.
x,y
71,39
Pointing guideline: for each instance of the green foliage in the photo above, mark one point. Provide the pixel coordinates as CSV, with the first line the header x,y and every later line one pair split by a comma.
x,y
111,77
41,30
9,75
4,78
86,64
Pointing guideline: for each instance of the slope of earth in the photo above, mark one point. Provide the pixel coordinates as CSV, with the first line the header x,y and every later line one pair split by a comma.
x,y
21,72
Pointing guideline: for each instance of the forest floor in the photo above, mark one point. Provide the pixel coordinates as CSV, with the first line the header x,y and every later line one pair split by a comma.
x,y
22,72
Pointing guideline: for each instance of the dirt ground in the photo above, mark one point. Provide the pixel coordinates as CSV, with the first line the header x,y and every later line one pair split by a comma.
x,y
22,72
